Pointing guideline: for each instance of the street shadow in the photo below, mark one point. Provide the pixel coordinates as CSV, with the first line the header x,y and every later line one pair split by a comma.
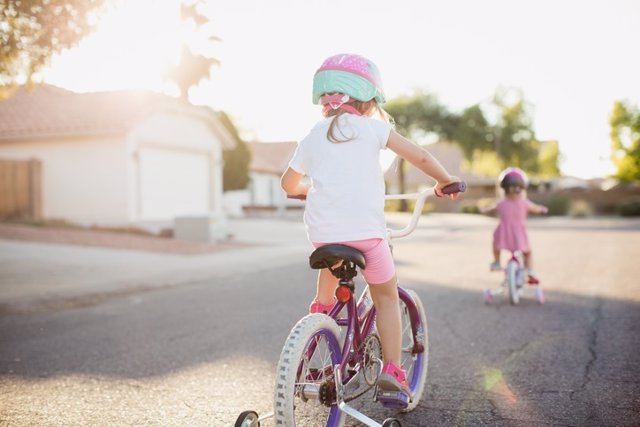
x,y
564,362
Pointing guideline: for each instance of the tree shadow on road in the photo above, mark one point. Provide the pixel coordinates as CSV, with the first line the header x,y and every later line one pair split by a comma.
x,y
573,361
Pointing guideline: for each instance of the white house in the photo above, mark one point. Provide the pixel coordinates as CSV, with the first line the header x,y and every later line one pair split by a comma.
x,y
269,160
117,157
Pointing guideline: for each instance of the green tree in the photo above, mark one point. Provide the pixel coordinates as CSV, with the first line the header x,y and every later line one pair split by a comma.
x,y
235,174
500,133
421,118
624,123
473,132
31,31
193,67
513,135
548,159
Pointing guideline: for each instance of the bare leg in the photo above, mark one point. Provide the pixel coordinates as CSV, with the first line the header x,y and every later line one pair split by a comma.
x,y
386,300
527,260
496,255
326,287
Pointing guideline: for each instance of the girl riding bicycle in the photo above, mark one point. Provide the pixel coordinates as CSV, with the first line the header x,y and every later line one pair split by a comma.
x,y
345,202
512,210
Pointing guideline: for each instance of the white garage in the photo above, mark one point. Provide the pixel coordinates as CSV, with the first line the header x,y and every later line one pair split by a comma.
x,y
117,158
174,183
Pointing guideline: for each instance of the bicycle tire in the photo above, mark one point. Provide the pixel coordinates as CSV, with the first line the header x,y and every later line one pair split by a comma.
x,y
291,408
416,365
511,273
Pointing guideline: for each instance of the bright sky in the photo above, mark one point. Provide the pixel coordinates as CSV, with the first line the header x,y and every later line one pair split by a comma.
x,y
572,59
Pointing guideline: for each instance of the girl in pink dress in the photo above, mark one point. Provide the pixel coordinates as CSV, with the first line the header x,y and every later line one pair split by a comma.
x,y
512,210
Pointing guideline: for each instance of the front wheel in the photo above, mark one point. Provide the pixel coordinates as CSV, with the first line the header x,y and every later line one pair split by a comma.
x,y
247,419
512,272
415,353
391,422
305,381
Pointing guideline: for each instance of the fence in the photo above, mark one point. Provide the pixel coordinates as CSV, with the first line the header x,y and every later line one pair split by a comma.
x,y
20,189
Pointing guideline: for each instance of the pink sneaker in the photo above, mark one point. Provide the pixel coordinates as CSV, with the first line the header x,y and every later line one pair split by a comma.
x,y
317,307
393,378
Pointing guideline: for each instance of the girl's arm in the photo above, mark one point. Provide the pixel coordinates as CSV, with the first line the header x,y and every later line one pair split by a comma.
x,y
290,183
422,159
537,209
488,210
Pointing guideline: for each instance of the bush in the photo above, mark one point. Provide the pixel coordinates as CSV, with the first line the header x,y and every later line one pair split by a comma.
x,y
559,205
580,209
470,209
630,207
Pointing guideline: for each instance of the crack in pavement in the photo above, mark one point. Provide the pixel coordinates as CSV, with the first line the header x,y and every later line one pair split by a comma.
x,y
588,368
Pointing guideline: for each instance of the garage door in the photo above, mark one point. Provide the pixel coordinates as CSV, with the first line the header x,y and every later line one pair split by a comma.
x,y
173,183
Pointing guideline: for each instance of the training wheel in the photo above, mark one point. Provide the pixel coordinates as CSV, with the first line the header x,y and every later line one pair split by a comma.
x,y
540,295
247,419
391,422
488,298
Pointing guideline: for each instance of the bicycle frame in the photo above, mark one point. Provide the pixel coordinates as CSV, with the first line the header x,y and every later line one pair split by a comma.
x,y
357,330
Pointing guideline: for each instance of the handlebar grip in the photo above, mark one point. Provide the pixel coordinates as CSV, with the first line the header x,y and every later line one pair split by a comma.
x,y
454,187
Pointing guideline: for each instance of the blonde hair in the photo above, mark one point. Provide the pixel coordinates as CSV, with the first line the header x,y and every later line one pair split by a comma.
x,y
366,108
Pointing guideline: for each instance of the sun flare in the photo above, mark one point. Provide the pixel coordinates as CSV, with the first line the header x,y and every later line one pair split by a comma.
x,y
132,45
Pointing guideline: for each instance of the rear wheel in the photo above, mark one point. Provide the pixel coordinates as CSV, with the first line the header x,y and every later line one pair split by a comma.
x,y
391,422
415,354
305,380
511,272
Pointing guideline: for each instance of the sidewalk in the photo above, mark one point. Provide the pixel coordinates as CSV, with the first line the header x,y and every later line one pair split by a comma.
x,y
49,269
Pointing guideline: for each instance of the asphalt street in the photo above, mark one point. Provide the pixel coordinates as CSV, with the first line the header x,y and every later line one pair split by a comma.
x,y
167,340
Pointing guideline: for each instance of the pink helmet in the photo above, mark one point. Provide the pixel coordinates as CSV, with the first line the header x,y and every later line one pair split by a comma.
x,y
348,74
513,177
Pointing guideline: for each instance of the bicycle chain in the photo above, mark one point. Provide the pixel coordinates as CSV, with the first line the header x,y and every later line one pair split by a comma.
x,y
369,387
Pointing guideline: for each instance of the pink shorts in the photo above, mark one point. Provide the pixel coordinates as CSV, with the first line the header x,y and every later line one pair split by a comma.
x,y
377,255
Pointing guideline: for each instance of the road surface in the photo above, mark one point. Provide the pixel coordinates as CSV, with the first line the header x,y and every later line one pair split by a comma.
x,y
177,349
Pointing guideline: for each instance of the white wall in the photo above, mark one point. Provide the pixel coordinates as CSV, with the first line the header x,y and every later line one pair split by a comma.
x,y
187,137
82,180
265,191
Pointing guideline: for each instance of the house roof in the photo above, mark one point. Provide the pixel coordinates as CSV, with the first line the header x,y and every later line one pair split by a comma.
x,y
271,157
49,111
449,155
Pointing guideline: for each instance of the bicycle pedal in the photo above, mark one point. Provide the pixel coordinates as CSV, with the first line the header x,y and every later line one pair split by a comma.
x,y
393,399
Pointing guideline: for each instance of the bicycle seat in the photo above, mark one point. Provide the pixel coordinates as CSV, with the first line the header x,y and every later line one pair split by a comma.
x,y
329,255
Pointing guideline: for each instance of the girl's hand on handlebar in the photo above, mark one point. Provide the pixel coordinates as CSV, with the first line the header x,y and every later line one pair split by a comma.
x,y
452,188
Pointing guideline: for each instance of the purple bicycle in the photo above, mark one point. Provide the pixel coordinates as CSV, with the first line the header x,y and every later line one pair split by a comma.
x,y
330,360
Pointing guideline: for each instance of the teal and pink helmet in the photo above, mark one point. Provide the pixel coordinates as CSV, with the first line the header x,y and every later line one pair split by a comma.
x,y
348,74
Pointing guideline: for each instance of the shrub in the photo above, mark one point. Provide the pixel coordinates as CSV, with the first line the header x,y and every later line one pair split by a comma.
x,y
470,209
630,207
580,209
559,205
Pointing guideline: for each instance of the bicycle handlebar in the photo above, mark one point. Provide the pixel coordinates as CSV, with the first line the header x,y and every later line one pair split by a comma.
x,y
455,187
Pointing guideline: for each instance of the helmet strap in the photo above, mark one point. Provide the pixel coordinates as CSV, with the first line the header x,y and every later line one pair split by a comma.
x,y
338,101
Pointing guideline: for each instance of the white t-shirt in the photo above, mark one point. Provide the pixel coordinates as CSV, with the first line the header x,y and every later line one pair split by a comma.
x,y
346,199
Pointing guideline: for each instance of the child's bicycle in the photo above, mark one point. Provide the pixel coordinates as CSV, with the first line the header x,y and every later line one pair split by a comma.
x,y
516,282
330,360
